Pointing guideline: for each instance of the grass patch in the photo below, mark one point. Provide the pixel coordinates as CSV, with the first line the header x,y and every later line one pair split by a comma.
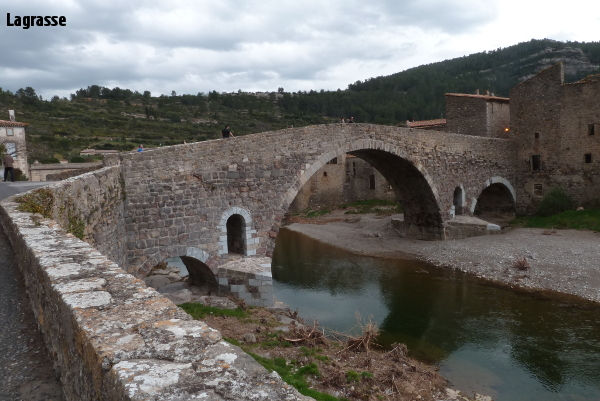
x,y
295,376
316,213
198,311
314,353
578,220
39,201
378,206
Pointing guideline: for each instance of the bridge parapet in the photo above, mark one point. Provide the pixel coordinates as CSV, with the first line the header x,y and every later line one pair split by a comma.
x,y
113,338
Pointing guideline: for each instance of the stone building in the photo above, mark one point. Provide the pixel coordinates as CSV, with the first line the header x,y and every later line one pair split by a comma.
x,y
557,129
480,115
12,135
344,179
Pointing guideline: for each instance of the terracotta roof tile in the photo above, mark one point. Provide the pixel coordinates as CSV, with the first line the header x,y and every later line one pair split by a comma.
x,y
426,123
486,97
6,123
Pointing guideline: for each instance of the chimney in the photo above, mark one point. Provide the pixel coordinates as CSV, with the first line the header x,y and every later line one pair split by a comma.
x,y
11,115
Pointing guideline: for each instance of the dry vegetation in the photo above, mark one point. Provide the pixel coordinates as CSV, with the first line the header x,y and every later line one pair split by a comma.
x,y
328,366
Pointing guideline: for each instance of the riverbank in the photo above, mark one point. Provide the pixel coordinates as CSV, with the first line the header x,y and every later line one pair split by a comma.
x,y
562,261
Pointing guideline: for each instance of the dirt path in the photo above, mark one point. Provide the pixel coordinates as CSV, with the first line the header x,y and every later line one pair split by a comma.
x,y
565,261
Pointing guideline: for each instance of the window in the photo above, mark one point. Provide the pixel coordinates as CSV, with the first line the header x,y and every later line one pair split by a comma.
x,y
324,173
372,181
332,161
11,148
588,157
591,129
354,169
538,190
537,135
536,162
10,132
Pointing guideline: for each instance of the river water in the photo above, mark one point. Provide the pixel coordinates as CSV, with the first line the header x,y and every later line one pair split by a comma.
x,y
508,344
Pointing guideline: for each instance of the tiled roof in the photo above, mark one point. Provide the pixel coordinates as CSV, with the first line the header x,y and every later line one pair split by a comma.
x,y
426,123
486,97
6,123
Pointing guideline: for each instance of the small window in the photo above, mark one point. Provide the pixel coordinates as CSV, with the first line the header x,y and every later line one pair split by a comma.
x,y
372,181
354,169
588,157
537,135
536,162
10,132
591,129
332,161
324,173
538,190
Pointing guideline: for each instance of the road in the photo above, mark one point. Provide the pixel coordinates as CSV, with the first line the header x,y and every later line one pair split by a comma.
x,y
25,364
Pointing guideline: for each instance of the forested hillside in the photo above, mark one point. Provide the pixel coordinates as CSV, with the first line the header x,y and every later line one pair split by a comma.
x,y
122,119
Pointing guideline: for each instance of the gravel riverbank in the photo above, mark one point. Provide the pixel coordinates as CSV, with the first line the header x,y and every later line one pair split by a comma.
x,y
564,261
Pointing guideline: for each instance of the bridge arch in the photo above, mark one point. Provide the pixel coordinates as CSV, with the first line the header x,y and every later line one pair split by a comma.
x,y
410,181
497,195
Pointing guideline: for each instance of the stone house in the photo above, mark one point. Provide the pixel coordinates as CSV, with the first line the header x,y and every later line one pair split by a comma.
x,y
557,129
12,135
479,115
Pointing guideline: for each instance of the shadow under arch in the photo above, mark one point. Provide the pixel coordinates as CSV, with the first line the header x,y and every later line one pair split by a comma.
x,y
496,199
199,273
410,182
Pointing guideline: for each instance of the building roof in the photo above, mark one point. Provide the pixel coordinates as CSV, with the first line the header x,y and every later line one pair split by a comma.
x,y
6,123
485,97
426,123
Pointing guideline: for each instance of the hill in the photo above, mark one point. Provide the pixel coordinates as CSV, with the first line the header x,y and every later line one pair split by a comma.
x,y
121,119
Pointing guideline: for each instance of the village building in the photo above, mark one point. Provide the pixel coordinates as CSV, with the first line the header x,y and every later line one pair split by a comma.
x,y
12,135
557,129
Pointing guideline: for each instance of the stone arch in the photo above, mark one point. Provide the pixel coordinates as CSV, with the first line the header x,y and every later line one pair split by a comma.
x,y
244,239
458,201
201,274
421,200
497,196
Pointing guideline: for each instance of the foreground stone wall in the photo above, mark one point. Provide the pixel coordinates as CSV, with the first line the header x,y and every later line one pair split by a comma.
x,y
92,206
112,338
176,196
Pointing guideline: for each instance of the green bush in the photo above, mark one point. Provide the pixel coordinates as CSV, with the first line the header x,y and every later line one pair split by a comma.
x,y
554,202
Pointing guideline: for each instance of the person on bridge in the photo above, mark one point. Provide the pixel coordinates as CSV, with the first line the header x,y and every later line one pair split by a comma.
x,y
8,162
227,132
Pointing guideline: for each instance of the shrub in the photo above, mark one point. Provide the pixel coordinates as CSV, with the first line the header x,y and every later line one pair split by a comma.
x,y
554,202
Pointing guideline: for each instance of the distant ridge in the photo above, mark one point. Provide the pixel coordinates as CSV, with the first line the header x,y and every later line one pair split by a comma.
x,y
103,118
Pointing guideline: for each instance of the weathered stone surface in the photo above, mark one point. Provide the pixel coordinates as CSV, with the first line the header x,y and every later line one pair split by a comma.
x,y
113,338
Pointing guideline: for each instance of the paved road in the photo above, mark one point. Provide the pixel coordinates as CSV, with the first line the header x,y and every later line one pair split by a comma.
x,y
25,367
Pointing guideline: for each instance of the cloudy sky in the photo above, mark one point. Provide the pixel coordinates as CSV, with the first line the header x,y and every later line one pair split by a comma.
x,y
225,45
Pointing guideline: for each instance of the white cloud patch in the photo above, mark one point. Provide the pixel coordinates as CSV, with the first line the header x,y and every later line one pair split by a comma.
x,y
198,46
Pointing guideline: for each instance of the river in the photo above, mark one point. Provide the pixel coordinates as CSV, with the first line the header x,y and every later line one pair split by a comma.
x,y
511,345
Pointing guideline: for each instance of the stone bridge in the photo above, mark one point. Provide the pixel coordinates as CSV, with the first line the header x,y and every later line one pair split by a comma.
x,y
112,338
192,199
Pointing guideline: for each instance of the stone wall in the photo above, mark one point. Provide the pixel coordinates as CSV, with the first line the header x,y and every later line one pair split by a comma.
x,y
92,206
112,338
550,119
60,171
176,196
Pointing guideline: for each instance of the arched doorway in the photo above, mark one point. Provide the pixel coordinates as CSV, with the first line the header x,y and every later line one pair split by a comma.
x,y
236,234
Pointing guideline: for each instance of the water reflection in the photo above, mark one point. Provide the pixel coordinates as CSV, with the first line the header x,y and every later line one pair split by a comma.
x,y
511,345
